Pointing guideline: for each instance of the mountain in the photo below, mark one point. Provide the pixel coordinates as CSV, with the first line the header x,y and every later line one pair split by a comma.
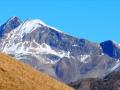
x,y
111,48
110,82
9,25
56,53
18,76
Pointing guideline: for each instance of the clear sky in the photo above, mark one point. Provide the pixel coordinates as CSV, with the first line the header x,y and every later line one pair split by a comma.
x,y
96,20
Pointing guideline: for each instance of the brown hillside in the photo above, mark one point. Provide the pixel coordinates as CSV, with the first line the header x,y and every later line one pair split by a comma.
x,y
15,75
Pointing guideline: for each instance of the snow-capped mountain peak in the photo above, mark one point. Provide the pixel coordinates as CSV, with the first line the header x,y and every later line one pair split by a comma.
x,y
30,25
18,41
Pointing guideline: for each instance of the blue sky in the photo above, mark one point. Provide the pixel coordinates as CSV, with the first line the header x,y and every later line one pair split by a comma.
x,y
96,20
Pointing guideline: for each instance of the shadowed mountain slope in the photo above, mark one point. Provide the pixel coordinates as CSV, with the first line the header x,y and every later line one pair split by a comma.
x,y
110,82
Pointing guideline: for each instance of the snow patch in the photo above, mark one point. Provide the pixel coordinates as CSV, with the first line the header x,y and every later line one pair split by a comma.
x,y
102,54
75,45
83,58
32,48
55,29
116,65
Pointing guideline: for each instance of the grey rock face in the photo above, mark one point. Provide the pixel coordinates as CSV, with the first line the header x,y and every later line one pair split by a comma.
x,y
11,24
62,41
70,70
110,82
111,48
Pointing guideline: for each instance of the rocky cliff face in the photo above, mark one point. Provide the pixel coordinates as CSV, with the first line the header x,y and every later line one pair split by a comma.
x,y
111,48
110,82
9,25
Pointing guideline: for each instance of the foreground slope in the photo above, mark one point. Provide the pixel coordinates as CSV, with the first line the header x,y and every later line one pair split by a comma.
x,y
17,76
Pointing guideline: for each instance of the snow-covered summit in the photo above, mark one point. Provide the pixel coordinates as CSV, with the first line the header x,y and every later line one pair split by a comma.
x,y
30,25
24,40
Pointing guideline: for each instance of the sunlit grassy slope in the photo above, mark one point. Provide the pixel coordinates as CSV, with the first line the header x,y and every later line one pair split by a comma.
x,y
15,75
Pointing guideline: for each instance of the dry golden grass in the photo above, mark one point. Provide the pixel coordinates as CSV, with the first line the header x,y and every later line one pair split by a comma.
x,y
15,75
